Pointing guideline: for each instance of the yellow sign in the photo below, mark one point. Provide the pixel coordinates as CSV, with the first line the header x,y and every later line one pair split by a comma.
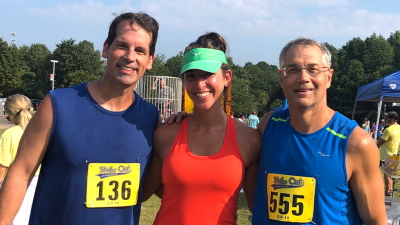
x,y
291,198
112,184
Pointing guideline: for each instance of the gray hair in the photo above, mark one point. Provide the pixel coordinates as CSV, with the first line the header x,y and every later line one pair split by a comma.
x,y
326,57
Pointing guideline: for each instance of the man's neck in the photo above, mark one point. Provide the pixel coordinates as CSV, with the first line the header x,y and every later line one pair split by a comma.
x,y
113,97
310,121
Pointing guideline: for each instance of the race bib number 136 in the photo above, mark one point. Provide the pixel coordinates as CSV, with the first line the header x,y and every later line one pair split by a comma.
x,y
112,184
290,198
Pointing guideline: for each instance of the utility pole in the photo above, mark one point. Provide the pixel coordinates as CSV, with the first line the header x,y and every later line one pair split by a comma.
x,y
13,41
52,76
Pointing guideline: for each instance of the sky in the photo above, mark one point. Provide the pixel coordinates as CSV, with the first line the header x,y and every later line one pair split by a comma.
x,y
256,30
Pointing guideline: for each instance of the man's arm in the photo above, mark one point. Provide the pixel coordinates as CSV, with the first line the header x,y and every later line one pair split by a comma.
x,y
381,141
31,151
364,177
153,177
384,137
249,142
153,86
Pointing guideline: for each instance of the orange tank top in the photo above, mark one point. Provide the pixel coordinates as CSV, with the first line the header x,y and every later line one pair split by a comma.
x,y
201,189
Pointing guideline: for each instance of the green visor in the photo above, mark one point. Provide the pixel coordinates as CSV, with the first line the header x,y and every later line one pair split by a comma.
x,y
205,59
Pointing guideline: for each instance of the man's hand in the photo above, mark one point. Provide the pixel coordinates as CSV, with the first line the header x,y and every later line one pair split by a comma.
x,y
176,118
153,86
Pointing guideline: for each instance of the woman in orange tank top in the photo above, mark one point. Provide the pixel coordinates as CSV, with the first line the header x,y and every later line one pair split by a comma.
x,y
204,161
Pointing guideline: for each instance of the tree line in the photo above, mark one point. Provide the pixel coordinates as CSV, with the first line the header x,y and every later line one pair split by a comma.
x,y
26,70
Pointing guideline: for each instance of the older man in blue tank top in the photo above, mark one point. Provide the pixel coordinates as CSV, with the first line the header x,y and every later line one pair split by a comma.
x,y
316,166
93,140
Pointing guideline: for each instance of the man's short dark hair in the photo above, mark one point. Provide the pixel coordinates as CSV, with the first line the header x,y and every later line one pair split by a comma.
x,y
141,19
393,115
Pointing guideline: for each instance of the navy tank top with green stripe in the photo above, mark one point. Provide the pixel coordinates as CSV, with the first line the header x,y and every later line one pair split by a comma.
x,y
320,155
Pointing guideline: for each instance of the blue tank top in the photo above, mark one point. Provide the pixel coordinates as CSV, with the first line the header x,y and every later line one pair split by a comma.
x,y
84,132
321,156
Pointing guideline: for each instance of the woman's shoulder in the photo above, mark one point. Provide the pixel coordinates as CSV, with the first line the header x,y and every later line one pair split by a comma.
x,y
249,141
247,132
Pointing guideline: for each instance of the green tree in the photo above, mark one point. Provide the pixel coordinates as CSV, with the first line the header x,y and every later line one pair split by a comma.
x,y
354,49
158,68
334,56
73,57
36,82
174,64
79,77
377,53
12,67
242,100
394,41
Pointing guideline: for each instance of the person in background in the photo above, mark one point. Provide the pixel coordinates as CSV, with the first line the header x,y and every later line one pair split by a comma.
x,y
17,107
204,161
365,125
232,114
388,144
253,120
165,96
372,132
381,128
242,118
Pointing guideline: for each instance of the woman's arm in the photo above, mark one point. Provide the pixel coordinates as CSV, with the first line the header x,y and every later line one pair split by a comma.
x,y
249,142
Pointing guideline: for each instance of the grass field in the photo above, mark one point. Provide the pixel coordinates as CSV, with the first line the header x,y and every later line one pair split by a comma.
x,y
151,207
2,131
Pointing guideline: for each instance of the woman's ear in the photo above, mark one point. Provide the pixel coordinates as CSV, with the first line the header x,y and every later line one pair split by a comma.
x,y
227,77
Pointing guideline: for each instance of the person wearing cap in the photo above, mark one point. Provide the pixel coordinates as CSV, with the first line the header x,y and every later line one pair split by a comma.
x,y
204,161
365,125
165,95
381,128
388,144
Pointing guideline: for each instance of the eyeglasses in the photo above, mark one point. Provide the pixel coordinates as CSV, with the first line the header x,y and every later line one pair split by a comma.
x,y
312,71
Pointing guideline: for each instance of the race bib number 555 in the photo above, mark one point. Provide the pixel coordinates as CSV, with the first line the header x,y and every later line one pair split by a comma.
x,y
291,198
112,184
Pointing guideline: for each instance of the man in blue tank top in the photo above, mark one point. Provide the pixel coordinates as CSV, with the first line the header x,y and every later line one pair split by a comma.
x,y
316,166
93,140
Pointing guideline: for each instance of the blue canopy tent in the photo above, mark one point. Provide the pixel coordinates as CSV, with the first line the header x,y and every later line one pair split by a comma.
x,y
386,89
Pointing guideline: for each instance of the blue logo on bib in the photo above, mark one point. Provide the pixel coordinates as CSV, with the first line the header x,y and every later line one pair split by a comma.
x,y
111,171
281,182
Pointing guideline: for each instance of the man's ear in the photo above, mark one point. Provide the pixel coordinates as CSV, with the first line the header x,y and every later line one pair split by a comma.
x,y
105,49
150,64
329,78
